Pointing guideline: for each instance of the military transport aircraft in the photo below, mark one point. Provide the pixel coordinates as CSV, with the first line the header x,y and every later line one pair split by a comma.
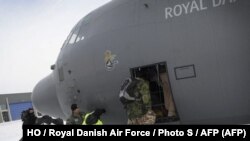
x,y
202,46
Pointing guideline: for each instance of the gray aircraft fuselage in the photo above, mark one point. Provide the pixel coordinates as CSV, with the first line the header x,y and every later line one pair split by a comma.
x,y
205,45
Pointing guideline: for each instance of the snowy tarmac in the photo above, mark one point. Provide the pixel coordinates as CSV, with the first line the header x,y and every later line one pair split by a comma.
x,y
11,131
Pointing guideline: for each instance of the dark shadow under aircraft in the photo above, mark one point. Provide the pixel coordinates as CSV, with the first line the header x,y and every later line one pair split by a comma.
x,y
201,46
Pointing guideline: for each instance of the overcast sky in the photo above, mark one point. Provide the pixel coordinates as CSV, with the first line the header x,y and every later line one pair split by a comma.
x,y
31,35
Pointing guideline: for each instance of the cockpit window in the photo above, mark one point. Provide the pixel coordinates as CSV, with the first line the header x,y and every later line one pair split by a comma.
x,y
79,38
78,33
75,33
67,40
72,38
82,33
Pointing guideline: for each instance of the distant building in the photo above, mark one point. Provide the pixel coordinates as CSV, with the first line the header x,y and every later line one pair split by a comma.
x,y
12,105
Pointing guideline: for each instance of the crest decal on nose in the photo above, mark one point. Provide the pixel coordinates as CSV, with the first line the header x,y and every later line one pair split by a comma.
x,y
110,60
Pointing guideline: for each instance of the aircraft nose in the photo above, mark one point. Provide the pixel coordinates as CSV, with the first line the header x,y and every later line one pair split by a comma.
x,y
45,99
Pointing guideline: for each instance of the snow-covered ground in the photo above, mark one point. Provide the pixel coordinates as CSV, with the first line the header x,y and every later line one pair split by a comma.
x,y
11,131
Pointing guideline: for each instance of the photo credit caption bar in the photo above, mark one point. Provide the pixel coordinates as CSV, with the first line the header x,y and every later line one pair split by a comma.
x,y
240,132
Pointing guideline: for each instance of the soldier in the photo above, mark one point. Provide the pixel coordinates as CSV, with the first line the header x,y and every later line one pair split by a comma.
x,y
28,117
77,117
135,96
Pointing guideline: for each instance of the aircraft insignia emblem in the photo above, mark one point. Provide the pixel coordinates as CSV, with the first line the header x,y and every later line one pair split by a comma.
x,y
110,60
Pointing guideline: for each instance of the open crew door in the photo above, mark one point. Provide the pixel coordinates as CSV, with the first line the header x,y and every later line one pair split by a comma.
x,y
160,89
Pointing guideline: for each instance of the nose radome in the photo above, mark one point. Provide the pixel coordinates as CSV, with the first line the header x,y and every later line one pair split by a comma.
x,y
45,99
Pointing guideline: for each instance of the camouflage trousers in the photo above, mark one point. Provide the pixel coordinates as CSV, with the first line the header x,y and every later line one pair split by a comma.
x,y
147,119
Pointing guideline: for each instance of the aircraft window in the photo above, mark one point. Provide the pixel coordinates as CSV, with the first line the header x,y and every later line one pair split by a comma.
x,y
67,40
82,33
69,36
72,39
79,38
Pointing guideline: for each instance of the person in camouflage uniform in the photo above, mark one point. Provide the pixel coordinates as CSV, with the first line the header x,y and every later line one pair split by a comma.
x,y
139,110
77,117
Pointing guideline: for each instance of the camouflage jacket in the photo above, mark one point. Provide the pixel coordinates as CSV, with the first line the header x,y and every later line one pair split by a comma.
x,y
75,120
141,106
